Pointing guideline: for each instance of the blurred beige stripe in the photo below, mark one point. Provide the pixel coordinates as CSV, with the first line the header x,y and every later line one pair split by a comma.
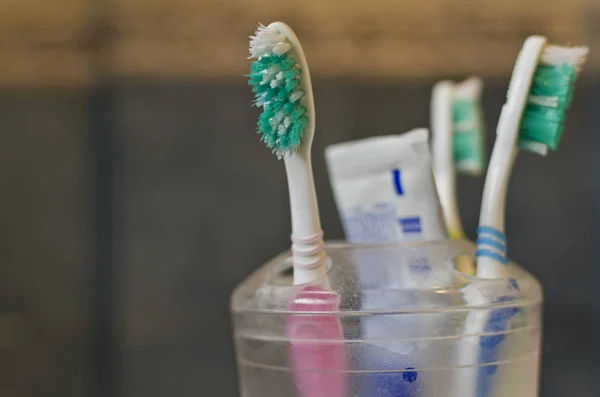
x,y
201,39
42,43
343,38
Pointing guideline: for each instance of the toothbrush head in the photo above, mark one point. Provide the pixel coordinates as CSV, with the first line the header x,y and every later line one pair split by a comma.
x,y
281,85
549,97
468,129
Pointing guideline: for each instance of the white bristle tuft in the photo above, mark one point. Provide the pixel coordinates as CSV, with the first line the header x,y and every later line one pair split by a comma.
x,y
281,48
270,74
287,122
277,119
535,147
547,101
557,55
261,100
268,41
296,96
281,129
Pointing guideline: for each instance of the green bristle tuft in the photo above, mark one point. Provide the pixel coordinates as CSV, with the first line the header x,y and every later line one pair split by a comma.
x,y
259,89
287,63
289,108
291,74
282,94
257,67
467,136
296,130
254,78
270,94
298,112
544,114
275,81
275,106
269,60
290,85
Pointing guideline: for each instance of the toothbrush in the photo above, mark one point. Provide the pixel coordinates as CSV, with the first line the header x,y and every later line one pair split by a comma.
x,y
457,145
442,155
280,80
538,96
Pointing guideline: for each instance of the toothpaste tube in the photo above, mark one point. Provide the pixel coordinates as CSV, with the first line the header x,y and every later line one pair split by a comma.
x,y
384,189
385,192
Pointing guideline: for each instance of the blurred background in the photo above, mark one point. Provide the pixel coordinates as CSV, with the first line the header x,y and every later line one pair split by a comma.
x,y
136,194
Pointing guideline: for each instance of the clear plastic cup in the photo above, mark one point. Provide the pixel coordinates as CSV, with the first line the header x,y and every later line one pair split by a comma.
x,y
388,320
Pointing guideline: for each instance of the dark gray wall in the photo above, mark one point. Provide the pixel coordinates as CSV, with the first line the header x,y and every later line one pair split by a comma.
x,y
44,233
172,180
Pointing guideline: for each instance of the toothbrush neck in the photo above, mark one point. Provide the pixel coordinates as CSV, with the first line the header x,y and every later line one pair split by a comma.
x,y
500,167
309,257
495,189
303,198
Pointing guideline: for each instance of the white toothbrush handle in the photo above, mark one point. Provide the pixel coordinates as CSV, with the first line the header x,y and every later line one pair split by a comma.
x,y
443,156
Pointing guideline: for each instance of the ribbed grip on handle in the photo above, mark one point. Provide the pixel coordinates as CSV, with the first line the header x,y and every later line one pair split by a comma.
x,y
308,251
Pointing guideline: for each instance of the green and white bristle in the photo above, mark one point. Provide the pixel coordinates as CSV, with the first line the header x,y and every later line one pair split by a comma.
x,y
549,98
467,128
275,78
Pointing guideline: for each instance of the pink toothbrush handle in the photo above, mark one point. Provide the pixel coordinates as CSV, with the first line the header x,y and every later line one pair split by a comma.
x,y
317,350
